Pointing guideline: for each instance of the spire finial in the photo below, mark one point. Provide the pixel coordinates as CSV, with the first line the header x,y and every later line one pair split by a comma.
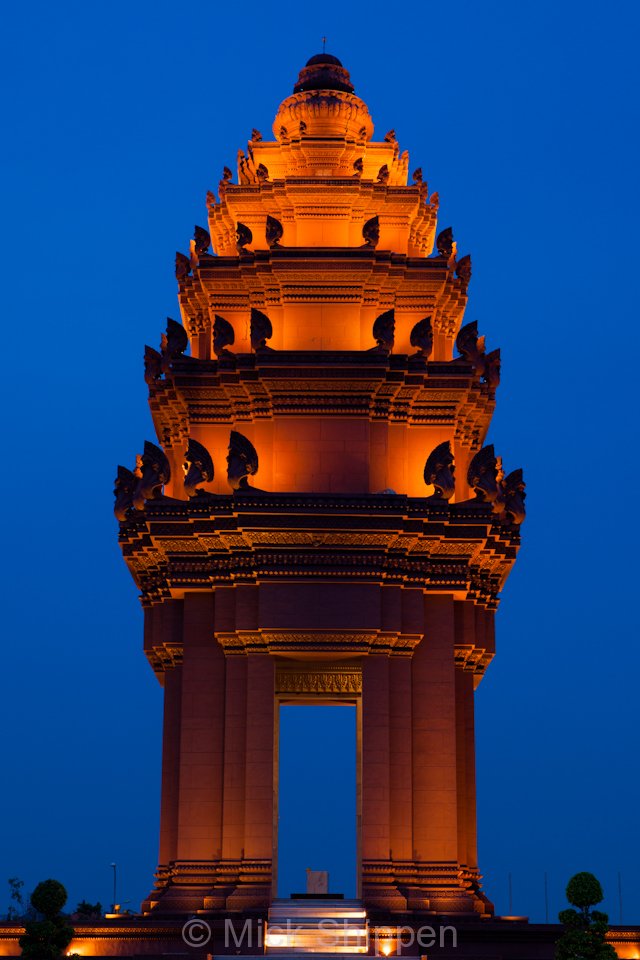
x,y
324,44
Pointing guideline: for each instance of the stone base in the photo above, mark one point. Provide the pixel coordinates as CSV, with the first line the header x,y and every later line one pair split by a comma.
x,y
416,887
224,886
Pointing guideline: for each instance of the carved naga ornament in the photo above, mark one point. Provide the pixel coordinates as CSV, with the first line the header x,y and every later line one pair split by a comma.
x,y
371,232
492,369
125,485
513,496
153,369
154,473
173,343
223,337
183,266
198,468
471,347
463,270
482,476
439,472
273,232
384,330
260,331
243,237
242,461
444,243
201,241
422,338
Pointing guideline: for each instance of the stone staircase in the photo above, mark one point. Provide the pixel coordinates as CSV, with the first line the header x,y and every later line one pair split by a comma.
x,y
316,926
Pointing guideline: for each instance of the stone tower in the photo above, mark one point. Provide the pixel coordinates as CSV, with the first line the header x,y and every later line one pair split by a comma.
x,y
320,520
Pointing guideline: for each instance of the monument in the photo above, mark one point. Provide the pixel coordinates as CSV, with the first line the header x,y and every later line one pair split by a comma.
x,y
319,517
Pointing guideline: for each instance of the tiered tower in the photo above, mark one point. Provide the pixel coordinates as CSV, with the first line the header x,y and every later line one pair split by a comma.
x,y
289,543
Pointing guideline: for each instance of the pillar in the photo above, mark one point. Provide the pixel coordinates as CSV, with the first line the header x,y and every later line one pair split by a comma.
x,y
434,736
202,731
235,727
400,773
254,889
170,792
376,837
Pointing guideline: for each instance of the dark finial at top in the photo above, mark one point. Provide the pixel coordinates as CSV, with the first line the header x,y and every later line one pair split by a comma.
x,y
323,72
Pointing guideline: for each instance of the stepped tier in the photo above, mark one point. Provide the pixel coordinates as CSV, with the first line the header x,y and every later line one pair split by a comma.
x,y
353,422
325,299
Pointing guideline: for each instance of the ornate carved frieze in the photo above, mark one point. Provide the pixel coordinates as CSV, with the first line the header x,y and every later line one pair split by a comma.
x,y
316,681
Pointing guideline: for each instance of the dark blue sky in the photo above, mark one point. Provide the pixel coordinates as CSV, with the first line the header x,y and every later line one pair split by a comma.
x,y
116,119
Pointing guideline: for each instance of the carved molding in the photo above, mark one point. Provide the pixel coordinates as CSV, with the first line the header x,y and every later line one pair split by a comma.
x,y
329,680
288,641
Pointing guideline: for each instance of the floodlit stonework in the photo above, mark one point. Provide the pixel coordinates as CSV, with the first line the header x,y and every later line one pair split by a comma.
x,y
320,519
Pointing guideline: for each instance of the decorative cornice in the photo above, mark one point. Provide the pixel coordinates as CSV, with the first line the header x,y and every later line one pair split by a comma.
x,y
175,545
355,642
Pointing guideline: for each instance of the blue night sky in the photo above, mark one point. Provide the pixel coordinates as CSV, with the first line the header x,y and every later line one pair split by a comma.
x,y
117,118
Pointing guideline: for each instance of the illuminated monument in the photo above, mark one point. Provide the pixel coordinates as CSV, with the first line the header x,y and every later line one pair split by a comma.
x,y
320,520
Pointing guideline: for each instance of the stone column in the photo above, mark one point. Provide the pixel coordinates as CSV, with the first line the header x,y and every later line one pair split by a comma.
x,y
378,880
470,771
254,889
461,761
170,794
235,729
435,833
400,779
376,839
202,730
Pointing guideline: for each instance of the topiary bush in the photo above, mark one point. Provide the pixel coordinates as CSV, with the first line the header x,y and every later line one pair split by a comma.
x,y
585,929
47,939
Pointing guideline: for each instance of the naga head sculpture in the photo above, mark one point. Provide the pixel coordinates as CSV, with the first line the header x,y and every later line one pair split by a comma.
x,y
175,341
492,367
244,237
422,338
384,331
471,347
183,266
154,473
482,475
513,496
439,471
223,336
242,461
198,467
152,365
444,243
463,270
260,330
273,232
201,240
371,232
125,485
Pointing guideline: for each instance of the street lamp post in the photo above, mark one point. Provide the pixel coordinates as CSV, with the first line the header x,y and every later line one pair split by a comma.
x,y
115,881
